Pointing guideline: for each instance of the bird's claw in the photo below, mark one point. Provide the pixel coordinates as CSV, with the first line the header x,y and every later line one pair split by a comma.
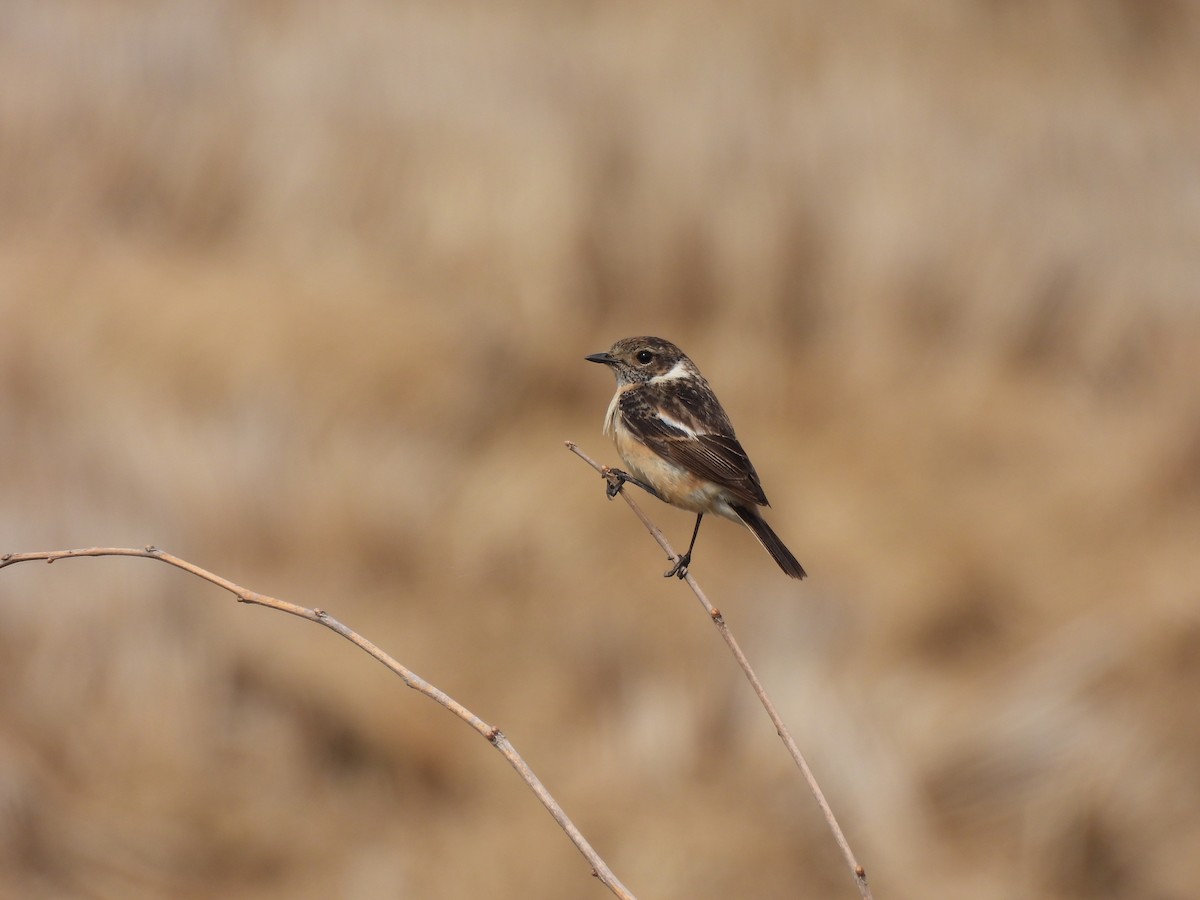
x,y
680,569
616,480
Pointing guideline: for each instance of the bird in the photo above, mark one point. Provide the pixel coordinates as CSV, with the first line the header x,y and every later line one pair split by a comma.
x,y
675,438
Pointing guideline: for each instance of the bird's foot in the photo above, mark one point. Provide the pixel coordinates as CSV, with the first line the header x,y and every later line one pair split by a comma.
x,y
680,569
617,478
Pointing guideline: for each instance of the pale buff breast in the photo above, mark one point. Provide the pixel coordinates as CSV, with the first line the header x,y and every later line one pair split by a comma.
x,y
675,484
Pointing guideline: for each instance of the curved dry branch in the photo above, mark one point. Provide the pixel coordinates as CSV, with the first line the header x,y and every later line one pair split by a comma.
x,y
493,735
860,875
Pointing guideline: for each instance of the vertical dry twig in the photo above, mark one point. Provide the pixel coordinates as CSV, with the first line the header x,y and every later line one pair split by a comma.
x,y
860,875
493,735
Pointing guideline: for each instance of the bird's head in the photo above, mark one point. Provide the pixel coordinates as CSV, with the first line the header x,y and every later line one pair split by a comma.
x,y
639,360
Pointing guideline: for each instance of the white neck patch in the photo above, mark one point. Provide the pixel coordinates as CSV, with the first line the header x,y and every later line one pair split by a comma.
x,y
679,370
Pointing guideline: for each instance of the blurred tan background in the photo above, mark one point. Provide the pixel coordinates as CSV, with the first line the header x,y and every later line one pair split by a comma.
x,y
302,294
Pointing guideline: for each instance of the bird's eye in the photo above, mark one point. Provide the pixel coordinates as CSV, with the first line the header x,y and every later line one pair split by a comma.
x,y
644,356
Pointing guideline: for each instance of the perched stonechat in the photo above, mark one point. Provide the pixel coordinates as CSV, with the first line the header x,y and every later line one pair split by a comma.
x,y
679,445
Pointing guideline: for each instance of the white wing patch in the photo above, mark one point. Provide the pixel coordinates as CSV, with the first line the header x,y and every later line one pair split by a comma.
x,y
675,423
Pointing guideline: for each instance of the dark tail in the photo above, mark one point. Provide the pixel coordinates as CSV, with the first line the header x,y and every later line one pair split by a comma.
x,y
770,540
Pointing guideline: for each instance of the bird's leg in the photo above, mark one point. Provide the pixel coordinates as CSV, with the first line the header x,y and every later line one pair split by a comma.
x,y
617,477
680,569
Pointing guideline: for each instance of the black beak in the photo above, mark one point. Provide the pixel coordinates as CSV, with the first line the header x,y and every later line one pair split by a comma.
x,y
606,358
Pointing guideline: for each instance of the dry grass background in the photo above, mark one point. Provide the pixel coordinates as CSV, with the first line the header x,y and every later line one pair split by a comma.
x,y
301,293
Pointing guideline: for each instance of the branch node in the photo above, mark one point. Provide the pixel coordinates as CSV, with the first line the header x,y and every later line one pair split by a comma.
x,y
614,479
6,557
321,614
152,550
494,735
